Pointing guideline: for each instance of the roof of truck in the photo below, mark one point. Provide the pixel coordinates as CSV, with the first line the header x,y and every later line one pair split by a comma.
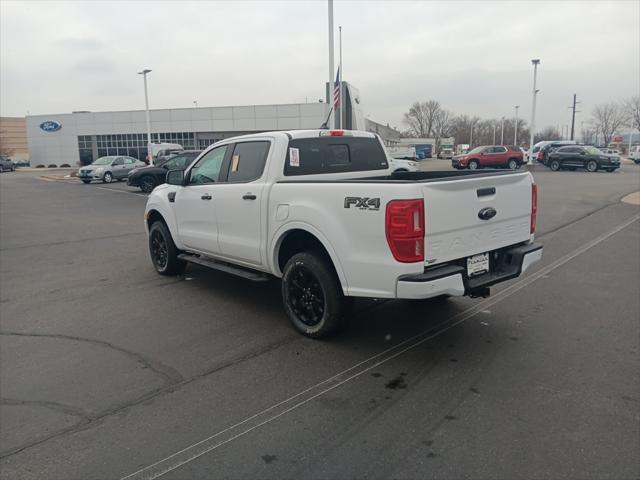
x,y
311,134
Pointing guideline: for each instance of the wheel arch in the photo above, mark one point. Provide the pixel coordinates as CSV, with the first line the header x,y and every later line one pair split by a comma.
x,y
155,213
152,216
296,238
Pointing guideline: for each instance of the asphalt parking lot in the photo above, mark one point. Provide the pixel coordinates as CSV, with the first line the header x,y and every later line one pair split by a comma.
x,y
108,370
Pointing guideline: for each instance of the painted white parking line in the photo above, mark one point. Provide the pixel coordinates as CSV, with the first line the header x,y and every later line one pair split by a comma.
x,y
121,191
190,453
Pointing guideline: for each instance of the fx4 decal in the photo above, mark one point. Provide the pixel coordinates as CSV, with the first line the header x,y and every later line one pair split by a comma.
x,y
362,203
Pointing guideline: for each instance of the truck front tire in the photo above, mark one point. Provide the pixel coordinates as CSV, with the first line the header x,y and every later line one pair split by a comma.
x,y
312,295
163,252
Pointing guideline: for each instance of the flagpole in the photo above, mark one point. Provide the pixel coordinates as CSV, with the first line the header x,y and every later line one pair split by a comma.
x,y
331,71
340,79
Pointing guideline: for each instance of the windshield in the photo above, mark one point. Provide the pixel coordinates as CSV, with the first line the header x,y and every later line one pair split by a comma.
x,y
104,161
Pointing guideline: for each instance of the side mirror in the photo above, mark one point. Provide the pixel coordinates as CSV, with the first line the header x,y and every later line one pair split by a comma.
x,y
175,177
582,153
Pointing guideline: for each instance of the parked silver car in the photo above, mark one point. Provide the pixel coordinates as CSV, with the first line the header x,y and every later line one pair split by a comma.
x,y
108,169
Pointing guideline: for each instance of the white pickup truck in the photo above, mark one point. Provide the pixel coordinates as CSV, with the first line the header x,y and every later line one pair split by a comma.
x,y
322,210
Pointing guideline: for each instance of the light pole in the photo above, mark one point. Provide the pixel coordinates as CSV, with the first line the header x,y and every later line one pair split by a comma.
x,y
471,137
502,131
515,128
146,106
332,122
535,62
494,133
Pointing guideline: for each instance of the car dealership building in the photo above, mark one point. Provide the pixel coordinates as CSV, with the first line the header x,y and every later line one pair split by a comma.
x,y
82,137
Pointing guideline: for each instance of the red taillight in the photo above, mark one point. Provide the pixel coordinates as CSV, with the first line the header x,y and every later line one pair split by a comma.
x,y
336,133
405,229
534,207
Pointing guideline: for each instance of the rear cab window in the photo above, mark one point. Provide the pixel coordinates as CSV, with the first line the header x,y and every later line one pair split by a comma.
x,y
319,155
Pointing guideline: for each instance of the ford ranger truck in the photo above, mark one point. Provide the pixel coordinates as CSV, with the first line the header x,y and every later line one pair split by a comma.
x,y
322,211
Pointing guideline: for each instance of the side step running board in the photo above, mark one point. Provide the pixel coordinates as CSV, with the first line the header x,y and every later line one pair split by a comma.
x,y
225,267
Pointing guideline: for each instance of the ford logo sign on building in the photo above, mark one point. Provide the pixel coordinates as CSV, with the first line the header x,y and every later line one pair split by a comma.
x,y
50,126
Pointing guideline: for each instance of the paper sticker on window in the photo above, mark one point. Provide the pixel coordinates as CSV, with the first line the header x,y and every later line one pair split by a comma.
x,y
294,157
235,160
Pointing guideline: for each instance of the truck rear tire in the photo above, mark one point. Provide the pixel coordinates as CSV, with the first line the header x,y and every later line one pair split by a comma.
x,y
163,252
312,295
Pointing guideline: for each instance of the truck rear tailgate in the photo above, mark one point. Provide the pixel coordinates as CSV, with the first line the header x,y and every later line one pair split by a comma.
x,y
454,227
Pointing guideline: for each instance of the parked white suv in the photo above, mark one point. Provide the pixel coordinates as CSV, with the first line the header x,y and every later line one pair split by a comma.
x,y
323,211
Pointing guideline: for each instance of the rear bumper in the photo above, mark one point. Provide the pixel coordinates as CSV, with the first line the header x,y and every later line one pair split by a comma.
x,y
452,279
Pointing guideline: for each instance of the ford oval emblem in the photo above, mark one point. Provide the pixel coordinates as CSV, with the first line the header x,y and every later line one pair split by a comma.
x,y
487,213
50,126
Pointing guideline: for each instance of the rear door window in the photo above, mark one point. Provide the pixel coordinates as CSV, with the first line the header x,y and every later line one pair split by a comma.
x,y
247,161
309,156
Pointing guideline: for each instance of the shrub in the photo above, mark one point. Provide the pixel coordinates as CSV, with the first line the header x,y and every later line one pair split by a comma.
x,y
40,166
65,165
52,165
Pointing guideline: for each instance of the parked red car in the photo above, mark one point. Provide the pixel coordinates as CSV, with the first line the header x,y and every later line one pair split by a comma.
x,y
495,156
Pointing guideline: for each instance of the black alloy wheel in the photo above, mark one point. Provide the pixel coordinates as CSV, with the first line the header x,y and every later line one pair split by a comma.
x,y
147,184
163,252
306,296
159,252
312,295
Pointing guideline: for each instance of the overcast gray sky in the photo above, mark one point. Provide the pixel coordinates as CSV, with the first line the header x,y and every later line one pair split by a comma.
x,y
474,57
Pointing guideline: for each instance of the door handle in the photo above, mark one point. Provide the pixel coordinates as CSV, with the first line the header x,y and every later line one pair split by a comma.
x,y
206,196
249,196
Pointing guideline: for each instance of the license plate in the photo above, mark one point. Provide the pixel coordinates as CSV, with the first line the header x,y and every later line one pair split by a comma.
x,y
478,264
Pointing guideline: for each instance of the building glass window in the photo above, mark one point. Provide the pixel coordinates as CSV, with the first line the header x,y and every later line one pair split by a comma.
x,y
133,144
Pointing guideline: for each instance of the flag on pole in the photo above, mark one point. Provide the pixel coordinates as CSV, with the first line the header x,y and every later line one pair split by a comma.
x,y
336,93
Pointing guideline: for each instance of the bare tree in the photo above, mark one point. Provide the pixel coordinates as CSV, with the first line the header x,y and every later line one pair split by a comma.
x,y
462,127
442,126
421,117
632,110
547,133
607,120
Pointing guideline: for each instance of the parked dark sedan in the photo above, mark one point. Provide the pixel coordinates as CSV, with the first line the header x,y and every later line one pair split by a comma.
x,y
147,178
6,165
581,156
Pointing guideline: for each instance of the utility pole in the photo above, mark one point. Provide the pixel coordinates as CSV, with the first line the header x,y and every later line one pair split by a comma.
x,y
340,79
535,62
146,108
515,127
502,132
494,133
573,115
332,123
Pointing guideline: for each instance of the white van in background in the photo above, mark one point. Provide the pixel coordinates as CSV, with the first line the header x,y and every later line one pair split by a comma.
x,y
160,151
405,152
